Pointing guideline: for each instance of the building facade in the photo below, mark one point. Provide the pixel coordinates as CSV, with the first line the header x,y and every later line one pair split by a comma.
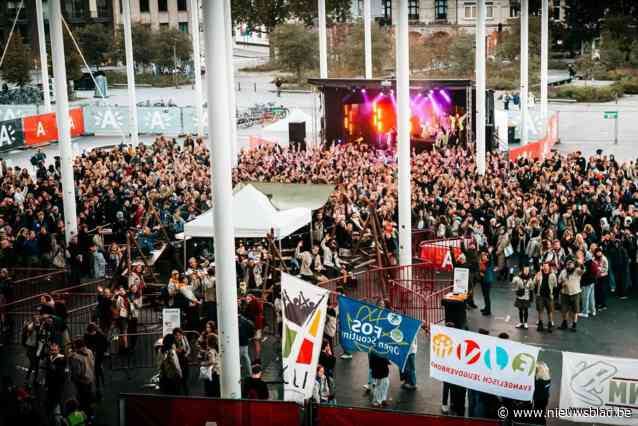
x,y
432,16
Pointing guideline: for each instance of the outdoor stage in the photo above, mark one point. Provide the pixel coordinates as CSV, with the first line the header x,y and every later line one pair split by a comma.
x,y
364,111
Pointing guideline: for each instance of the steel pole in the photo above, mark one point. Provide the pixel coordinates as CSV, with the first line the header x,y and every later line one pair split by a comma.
x,y
219,131
481,118
44,66
130,73
544,63
232,97
197,68
403,129
524,69
323,40
367,35
63,121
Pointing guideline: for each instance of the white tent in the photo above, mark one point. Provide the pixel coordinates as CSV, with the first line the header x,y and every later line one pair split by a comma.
x,y
277,132
254,216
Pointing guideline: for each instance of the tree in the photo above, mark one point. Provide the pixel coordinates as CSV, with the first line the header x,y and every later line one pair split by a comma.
x,y
296,48
633,56
18,62
462,56
172,45
97,43
72,60
145,44
349,52
509,47
307,10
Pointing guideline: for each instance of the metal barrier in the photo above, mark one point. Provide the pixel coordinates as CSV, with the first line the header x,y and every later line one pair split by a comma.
x,y
29,281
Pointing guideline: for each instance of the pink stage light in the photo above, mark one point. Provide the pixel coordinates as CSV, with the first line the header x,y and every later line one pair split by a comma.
x,y
435,105
446,96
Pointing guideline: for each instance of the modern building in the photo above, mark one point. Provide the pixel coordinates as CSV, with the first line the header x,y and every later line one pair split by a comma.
x,y
432,16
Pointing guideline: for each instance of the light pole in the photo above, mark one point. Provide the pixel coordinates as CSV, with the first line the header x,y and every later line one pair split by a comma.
x,y
232,98
544,63
403,130
219,131
63,121
130,72
367,36
44,66
323,40
481,118
197,65
524,69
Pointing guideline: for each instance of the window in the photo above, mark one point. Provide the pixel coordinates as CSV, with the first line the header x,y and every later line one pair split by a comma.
x,y
183,27
413,10
515,8
163,26
76,9
440,10
489,10
470,11
102,8
181,5
144,7
162,5
555,12
387,10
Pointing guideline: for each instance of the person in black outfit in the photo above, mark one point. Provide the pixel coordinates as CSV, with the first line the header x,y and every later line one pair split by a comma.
x,y
55,379
254,387
96,341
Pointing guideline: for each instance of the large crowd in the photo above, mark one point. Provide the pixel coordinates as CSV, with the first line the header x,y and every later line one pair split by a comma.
x,y
563,231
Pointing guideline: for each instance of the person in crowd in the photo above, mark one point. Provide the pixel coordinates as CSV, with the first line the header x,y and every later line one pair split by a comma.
x,y
487,276
246,333
73,414
480,404
569,283
99,263
524,287
255,314
380,371
30,343
211,363
408,375
602,279
170,374
545,282
209,305
96,341
104,309
327,358
55,379
82,370
542,387
323,391
254,387
587,285
121,310
183,351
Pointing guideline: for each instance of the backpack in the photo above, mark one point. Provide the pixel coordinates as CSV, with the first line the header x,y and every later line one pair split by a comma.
x,y
167,368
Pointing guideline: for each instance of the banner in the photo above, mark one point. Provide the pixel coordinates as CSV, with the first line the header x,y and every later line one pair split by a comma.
x,y
304,316
483,363
43,128
599,389
369,328
11,134
439,255
171,319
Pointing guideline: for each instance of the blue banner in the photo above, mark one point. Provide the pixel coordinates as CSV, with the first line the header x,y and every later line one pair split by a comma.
x,y
369,328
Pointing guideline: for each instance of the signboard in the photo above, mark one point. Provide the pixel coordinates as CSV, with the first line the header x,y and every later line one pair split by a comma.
x,y
604,390
483,363
461,280
171,319
368,328
611,114
43,128
11,134
304,317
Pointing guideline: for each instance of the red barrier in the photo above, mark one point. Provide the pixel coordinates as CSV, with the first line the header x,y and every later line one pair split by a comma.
x,y
43,128
540,148
439,254
342,416
154,410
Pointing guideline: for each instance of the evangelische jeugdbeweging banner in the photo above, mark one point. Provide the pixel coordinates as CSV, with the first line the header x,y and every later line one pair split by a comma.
x,y
599,386
369,328
483,363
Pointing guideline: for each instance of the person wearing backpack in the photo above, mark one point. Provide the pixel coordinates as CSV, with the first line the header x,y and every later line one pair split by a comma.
x,y
82,368
170,371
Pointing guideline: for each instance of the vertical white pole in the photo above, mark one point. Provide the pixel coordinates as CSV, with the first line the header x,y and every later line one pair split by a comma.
x,y
219,129
403,129
323,41
232,98
197,68
44,67
544,63
62,120
367,35
524,69
130,72
481,118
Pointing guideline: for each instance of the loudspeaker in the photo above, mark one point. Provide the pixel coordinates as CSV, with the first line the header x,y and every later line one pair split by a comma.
x,y
455,312
297,135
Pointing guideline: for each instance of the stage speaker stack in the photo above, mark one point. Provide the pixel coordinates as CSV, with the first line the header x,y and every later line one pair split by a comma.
x,y
297,135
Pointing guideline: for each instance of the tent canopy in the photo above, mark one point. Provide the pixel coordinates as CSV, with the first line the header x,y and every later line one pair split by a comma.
x,y
295,116
291,195
253,216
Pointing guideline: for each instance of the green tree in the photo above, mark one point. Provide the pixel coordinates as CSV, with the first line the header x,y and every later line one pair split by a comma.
x,y
97,43
145,44
307,10
633,55
349,53
296,48
509,47
462,56
18,62
172,45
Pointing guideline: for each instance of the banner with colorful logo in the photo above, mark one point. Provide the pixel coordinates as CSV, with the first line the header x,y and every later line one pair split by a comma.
x,y
483,363
599,389
369,328
304,316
